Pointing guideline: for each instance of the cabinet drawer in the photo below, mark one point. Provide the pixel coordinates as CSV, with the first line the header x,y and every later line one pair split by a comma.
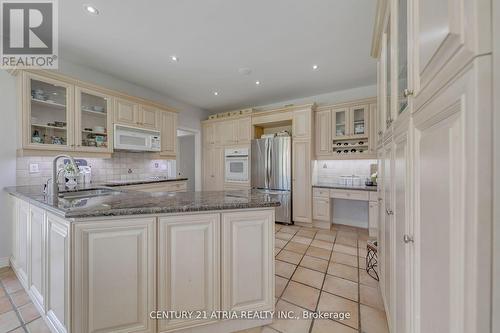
x,y
321,192
350,195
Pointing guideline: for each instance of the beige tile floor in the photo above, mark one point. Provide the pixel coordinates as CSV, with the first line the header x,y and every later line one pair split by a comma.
x,y
323,270
316,270
17,312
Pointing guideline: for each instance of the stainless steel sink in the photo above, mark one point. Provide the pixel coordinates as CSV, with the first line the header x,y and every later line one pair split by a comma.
x,y
88,193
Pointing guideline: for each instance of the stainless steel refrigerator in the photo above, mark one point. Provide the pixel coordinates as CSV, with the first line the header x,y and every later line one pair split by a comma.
x,y
272,172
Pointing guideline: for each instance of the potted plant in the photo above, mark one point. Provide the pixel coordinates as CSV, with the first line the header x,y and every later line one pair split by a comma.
x,y
70,175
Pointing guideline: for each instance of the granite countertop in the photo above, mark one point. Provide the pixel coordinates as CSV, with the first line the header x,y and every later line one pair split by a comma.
x,y
346,187
127,202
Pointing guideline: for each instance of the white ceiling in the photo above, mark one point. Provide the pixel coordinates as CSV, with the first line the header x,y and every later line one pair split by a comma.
x,y
279,40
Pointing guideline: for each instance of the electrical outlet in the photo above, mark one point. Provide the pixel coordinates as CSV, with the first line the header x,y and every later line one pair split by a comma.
x,y
34,168
157,165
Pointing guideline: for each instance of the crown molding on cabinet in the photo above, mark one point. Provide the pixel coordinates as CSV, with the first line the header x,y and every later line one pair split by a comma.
x,y
381,17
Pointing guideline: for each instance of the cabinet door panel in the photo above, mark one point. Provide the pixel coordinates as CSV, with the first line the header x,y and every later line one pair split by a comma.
x,y
208,134
23,218
149,117
126,112
189,266
401,253
389,230
37,255
301,181
169,133
244,131
114,278
323,121
247,260
301,124
340,123
321,209
58,283
358,121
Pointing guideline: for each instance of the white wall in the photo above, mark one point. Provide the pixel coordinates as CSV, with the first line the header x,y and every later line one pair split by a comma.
x,y
8,136
189,116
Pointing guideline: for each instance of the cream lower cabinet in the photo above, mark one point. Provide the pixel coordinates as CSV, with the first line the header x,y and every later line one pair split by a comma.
x,y
213,169
108,297
58,273
188,267
321,209
247,260
301,181
21,252
36,255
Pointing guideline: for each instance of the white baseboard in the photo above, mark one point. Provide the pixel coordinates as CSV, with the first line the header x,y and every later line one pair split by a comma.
x,y
4,262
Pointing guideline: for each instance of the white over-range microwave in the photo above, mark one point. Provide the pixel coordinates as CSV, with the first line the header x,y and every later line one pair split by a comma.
x,y
136,139
236,165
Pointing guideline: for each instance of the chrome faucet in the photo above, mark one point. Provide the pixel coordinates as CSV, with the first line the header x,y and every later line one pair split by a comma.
x,y
54,188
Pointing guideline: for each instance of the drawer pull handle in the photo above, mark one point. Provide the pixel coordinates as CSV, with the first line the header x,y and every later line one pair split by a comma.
x,y
408,239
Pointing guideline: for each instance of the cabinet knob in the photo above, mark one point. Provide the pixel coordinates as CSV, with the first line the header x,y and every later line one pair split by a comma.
x,y
407,239
407,92
388,211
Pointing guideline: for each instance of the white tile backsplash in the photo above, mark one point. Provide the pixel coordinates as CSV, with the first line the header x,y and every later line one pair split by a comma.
x,y
329,171
116,168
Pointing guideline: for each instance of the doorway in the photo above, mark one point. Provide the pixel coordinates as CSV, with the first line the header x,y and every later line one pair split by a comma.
x,y
189,157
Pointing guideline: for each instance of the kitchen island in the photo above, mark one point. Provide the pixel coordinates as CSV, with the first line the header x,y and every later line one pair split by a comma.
x,y
107,260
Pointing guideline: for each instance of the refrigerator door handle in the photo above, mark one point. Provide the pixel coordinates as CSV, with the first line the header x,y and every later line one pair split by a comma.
x,y
266,163
270,162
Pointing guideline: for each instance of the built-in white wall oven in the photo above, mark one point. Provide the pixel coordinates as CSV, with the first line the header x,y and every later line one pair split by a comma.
x,y
236,165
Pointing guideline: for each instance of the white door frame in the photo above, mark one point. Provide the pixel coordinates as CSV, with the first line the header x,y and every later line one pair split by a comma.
x,y
197,155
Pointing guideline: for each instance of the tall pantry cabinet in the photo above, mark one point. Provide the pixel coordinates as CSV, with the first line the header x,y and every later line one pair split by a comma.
x,y
434,150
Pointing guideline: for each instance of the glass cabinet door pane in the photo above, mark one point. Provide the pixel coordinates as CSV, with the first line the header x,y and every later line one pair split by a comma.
x,y
94,120
48,120
402,55
340,123
359,121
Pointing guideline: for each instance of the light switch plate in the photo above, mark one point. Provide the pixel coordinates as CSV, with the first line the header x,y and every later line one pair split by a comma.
x,y
34,168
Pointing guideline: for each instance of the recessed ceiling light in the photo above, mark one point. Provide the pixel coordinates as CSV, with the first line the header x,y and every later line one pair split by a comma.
x,y
315,67
257,82
174,58
216,93
91,9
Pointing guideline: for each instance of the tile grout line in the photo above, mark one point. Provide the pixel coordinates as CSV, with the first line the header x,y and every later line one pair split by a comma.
x,y
14,308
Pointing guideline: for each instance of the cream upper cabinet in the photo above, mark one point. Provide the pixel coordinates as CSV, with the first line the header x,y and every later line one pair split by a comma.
x,y
340,123
247,260
168,128
48,113
126,112
93,121
323,130
208,133
358,121
244,130
228,132
107,297
148,117
301,181
301,124
196,286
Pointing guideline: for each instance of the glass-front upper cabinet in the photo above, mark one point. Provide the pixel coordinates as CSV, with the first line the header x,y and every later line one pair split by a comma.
x,y
93,121
359,121
402,55
340,123
48,113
